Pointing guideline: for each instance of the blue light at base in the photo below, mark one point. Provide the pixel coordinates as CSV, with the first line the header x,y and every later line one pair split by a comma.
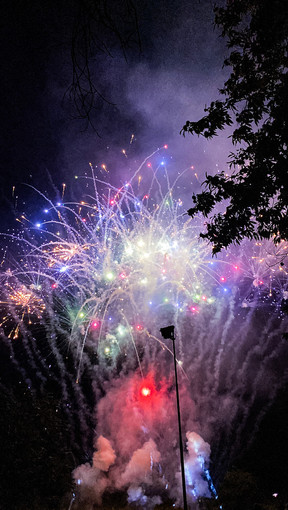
x,y
210,483
191,482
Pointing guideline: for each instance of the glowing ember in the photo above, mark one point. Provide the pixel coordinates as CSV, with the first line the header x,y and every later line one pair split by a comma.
x,y
146,392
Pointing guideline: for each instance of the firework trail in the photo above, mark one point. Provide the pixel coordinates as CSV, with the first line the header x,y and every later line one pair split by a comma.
x,y
84,299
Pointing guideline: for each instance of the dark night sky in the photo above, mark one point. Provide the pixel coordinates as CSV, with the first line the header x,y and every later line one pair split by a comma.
x,y
154,93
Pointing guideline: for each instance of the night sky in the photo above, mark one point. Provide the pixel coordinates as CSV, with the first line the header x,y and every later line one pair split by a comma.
x,y
151,92
154,91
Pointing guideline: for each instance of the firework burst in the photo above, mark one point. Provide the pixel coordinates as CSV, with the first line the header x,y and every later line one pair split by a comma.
x,y
102,276
110,269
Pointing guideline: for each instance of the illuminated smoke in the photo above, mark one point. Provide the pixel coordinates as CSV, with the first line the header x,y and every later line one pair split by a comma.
x,y
91,478
197,458
104,457
145,458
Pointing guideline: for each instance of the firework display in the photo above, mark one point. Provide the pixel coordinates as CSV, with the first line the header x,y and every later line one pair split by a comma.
x,y
93,284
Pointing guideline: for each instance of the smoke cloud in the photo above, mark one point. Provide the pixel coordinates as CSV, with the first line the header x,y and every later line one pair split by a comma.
x,y
140,423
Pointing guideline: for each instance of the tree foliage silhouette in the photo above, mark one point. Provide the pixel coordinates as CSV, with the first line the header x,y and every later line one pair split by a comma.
x,y
255,104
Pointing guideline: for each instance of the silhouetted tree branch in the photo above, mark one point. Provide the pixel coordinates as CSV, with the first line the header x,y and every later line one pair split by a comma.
x,y
257,107
99,27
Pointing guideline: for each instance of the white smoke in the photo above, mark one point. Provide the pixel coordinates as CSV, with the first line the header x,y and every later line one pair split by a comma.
x,y
196,461
140,466
105,456
91,479
144,460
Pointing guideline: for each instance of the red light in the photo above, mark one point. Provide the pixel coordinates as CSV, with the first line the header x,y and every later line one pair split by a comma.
x,y
166,146
146,392
236,267
149,164
122,276
112,202
54,285
95,324
139,327
223,279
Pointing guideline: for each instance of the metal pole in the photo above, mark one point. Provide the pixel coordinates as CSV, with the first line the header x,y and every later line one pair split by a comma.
x,y
180,434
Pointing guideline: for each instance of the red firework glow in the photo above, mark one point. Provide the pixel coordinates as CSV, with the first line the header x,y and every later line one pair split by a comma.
x,y
146,392
147,389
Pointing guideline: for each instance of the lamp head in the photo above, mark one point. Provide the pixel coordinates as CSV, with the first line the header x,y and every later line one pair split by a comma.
x,y
168,332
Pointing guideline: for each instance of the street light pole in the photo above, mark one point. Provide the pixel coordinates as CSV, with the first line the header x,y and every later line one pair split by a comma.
x,y
169,333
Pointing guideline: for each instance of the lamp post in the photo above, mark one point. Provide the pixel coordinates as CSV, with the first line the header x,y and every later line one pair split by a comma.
x,y
168,332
